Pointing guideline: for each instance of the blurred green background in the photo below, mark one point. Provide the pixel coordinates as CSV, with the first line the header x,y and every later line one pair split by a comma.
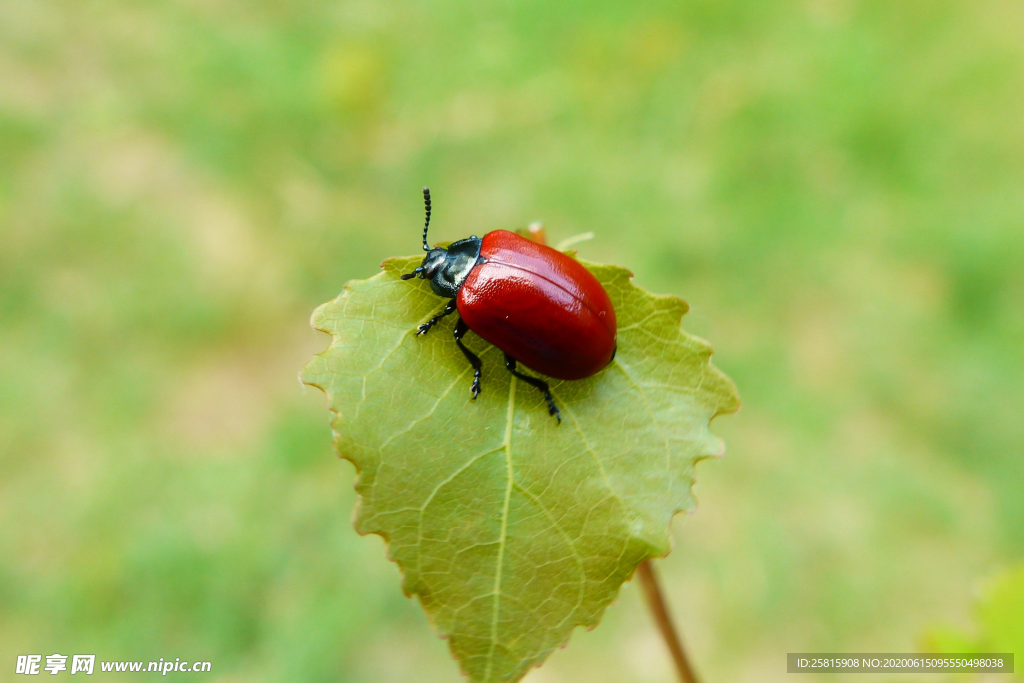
x,y
836,187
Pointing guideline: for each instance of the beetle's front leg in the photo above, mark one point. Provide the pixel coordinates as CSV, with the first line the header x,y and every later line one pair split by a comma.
x,y
448,310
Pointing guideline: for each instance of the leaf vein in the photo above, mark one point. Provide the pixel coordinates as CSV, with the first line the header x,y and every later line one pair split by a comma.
x,y
572,546
503,538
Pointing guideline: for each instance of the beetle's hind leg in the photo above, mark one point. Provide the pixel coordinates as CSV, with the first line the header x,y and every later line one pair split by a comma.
x,y
510,363
448,310
460,330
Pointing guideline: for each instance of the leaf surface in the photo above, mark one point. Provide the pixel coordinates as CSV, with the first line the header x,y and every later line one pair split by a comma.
x,y
999,613
511,529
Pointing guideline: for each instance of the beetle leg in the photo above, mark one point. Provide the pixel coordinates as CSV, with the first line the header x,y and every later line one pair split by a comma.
x,y
460,330
448,310
510,363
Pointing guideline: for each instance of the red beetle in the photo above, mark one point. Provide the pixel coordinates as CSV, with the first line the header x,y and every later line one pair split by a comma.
x,y
537,305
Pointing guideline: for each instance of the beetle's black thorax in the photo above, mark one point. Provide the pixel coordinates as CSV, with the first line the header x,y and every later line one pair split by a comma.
x,y
448,268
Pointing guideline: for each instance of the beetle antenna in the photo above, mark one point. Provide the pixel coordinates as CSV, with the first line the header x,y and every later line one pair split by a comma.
x,y
426,203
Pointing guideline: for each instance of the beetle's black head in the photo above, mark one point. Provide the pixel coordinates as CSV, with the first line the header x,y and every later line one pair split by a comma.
x,y
447,268
433,263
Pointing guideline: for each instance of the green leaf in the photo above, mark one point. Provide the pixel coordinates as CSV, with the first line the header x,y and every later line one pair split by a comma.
x,y
999,613
511,529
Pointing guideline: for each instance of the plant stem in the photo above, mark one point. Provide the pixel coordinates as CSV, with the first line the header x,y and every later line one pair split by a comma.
x,y
656,601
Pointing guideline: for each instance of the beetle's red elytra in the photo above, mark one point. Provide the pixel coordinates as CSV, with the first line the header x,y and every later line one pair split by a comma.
x,y
537,305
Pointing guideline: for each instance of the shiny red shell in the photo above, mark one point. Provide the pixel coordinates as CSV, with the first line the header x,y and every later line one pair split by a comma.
x,y
539,306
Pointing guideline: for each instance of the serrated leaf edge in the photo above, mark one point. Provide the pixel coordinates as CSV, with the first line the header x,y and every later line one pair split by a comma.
x,y
680,306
